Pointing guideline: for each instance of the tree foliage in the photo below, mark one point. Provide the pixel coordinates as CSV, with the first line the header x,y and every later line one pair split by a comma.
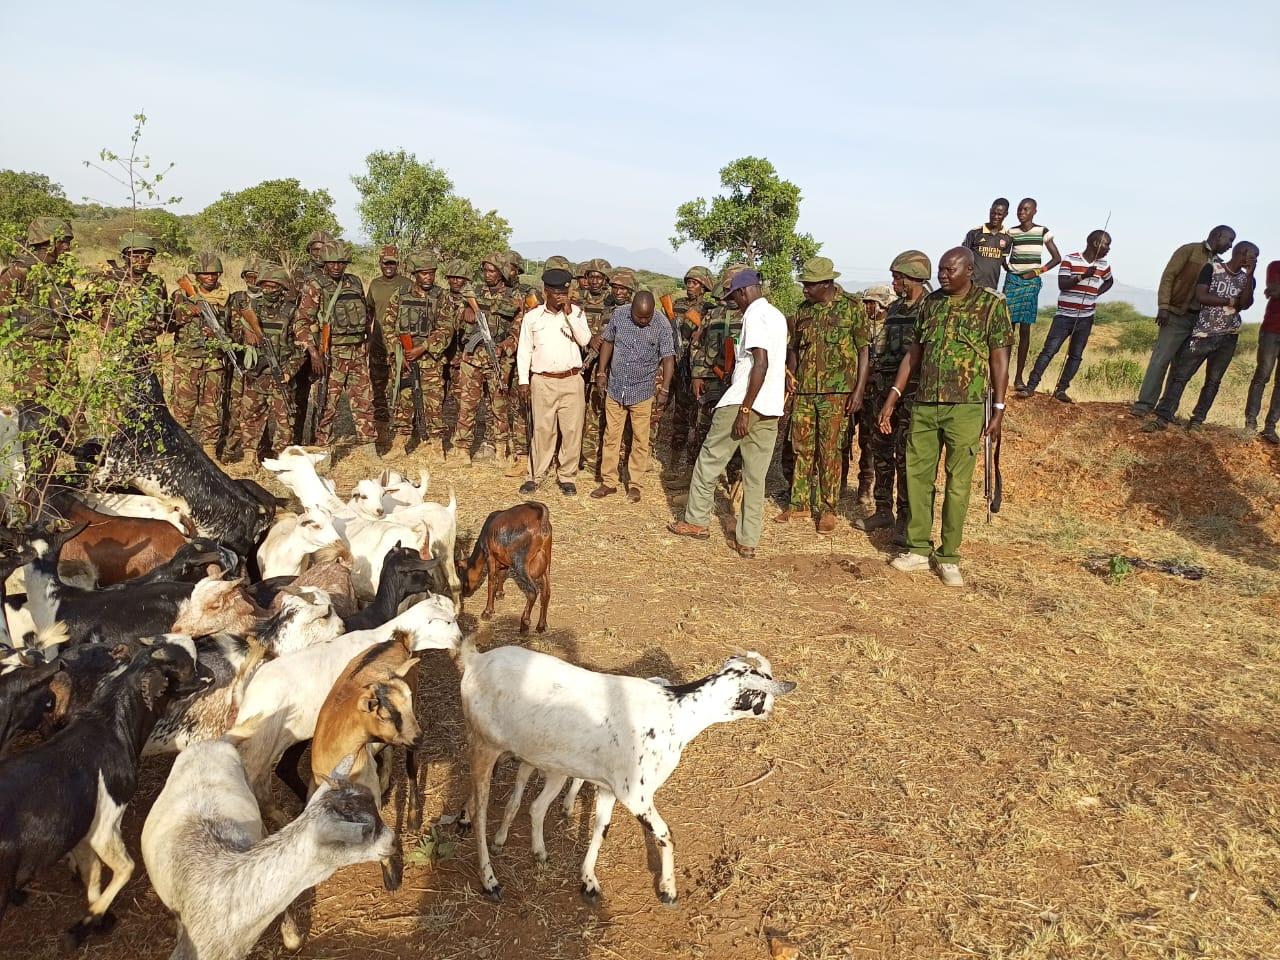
x,y
271,219
132,170
754,220
25,196
406,201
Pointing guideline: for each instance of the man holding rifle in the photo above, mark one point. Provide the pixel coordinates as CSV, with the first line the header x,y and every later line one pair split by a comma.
x,y
424,331
272,327
203,350
690,312
960,346
485,335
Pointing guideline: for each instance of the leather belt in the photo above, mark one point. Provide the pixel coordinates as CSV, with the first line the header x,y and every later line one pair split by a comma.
x,y
559,375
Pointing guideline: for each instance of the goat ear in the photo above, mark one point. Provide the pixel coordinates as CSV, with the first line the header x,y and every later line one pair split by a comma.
x,y
343,770
775,687
384,478
120,652
369,699
404,668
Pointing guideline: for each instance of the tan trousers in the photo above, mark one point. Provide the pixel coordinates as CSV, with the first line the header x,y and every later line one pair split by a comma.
x,y
558,410
615,422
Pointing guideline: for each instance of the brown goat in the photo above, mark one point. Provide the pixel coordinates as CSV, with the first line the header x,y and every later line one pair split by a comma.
x,y
516,541
116,549
328,568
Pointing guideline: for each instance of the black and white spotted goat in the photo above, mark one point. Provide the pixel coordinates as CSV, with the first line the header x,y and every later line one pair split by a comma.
x,y
623,734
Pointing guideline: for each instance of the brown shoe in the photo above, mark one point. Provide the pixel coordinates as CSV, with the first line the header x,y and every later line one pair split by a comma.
x,y
633,494
791,513
519,466
827,523
600,492
746,553
682,529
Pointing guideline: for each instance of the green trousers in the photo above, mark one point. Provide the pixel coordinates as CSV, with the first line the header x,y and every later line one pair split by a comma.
x,y
818,422
757,453
957,429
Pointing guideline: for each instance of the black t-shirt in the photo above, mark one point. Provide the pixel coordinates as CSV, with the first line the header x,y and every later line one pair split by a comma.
x,y
988,249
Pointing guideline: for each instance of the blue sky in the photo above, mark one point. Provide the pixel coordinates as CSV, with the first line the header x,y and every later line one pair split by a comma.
x,y
900,122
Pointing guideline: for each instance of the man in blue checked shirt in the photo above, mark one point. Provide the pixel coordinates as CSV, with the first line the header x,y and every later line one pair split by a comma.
x,y
637,362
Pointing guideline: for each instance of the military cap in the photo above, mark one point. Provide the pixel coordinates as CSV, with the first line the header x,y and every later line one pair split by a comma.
x,y
133,240
420,260
515,258
557,277
727,274
702,275
623,277
818,270
253,265
389,254
599,265
580,271
913,264
558,263
495,257
206,262
46,230
880,294
276,274
335,251
320,236
457,268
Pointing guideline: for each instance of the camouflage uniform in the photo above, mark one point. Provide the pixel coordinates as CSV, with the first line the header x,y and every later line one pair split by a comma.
x,y
236,304
382,344
502,308
349,325
689,316
957,334
310,266
599,308
121,290
200,366
262,400
31,294
707,361
430,317
888,450
826,339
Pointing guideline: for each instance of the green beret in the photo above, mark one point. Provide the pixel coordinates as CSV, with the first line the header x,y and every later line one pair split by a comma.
x,y
913,264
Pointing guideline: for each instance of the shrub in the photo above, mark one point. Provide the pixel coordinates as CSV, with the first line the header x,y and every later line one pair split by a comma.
x,y
1137,336
1114,373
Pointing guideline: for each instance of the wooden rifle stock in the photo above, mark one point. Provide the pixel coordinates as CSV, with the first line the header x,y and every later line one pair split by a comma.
x,y
668,306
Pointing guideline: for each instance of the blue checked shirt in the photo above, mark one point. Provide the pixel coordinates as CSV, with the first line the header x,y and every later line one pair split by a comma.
x,y
638,353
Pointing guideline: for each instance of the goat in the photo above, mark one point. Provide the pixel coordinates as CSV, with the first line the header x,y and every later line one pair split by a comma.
x,y
370,703
398,491
151,453
329,568
284,698
192,563
404,574
623,734
291,539
15,553
295,467
137,505
68,795
212,864
516,541
431,528
304,616
111,548
26,698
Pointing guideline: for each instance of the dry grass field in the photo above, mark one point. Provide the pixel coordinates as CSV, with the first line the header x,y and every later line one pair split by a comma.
x,y
1050,763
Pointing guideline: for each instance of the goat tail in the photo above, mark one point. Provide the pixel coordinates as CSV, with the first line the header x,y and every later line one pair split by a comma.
x,y
256,737
544,518
253,660
452,505
464,651
244,730
54,635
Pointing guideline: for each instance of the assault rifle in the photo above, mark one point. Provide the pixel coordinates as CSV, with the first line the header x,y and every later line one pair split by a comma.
x,y
484,335
251,321
415,382
212,322
992,481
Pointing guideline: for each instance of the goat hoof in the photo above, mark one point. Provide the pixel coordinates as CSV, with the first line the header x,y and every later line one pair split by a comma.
x,y
497,847
86,928
524,627
540,859
392,874
590,895
462,828
493,894
486,615
667,899
499,595
542,627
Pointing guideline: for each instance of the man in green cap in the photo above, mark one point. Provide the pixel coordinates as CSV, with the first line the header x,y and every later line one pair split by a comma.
x,y
33,293
960,346
130,290
875,300
382,343
690,311
333,308
200,363
827,365
910,270
262,404
424,325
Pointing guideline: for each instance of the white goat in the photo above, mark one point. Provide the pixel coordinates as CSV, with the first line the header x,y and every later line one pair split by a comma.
x,y
172,510
296,469
306,617
284,698
398,491
291,539
430,528
213,866
623,734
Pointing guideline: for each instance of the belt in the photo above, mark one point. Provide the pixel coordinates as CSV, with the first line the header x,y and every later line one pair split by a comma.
x,y
558,375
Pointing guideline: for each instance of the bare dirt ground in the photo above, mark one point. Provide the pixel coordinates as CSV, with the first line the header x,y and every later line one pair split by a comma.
x,y
1047,764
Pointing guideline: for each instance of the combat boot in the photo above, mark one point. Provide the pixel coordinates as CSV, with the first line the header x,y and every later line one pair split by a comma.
x,y
485,453
519,466
865,495
883,517
900,531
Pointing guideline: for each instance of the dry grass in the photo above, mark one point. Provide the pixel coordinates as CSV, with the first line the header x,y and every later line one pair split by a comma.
x,y
1047,764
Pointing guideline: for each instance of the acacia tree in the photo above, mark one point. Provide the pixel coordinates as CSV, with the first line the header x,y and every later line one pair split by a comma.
x,y
755,220
406,201
272,219
132,170
25,196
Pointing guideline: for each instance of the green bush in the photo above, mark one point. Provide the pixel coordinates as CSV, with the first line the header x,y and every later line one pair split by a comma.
x,y
1136,336
1114,373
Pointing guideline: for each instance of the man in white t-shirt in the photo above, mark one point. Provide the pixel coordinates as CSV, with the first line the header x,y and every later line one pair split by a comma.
x,y
746,418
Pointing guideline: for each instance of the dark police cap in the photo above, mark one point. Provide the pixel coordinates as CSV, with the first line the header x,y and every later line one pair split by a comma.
x,y
557,277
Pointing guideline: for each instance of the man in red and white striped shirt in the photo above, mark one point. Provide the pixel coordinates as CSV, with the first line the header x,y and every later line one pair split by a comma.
x,y
1082,278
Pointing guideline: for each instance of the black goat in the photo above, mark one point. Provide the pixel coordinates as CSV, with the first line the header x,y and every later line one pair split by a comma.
x,y
152,453
26,698
404,573
15,552
68,795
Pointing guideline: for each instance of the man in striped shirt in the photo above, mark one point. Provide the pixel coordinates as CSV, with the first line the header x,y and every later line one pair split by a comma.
x,y
1082,278
1028,241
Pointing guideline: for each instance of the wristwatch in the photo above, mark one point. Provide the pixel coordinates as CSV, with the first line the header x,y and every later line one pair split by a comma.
x,y
997,406
744,408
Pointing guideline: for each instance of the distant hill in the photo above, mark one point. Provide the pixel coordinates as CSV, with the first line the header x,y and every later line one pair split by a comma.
x,y
1144,301
650,258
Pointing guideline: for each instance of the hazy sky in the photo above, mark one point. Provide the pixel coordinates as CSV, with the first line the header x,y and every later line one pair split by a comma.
x,y
900,123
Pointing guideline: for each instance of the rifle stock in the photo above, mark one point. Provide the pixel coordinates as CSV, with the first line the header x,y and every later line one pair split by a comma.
x,y
250,318
210,320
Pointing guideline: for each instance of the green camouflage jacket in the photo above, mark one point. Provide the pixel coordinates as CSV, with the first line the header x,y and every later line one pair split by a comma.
x,y
826,339
349,320
598,307
958,335
889,343
418,312
502,307
722,324
30,292
684,328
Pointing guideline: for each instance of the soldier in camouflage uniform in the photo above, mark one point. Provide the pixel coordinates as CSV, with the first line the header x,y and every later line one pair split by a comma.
x,y
960,345
875,300
827,357
30,293
477,374
134,285
690,311
236,304
529,295
382,344
910,270
336,297
424,313
622,287
312,266
200,364
262,402
709,367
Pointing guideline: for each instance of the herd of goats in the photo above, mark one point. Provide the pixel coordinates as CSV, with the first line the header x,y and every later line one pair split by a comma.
x,y
183,612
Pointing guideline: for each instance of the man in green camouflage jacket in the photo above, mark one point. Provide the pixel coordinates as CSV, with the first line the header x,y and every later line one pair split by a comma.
x,y
262,404
960,346
479,378
131,290
827,359
31,294
420,312
200,365
690,309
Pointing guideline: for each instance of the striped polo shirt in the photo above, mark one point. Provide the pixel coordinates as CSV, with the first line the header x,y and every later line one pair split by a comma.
x,y
1027,252
1080,302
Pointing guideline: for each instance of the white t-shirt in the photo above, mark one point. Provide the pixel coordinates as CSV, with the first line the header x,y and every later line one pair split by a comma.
x,y
765,328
